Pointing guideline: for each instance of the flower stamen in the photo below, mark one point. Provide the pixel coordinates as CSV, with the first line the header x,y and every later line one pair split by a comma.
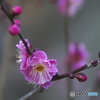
x,y
40,68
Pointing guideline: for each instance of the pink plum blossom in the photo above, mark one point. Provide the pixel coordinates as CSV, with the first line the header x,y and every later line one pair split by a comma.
x,y
46,85
39,69
62,6
77,55
36,68
69,7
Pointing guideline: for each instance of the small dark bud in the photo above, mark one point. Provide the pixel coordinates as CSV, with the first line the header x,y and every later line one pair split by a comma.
x,y
71,76
81,77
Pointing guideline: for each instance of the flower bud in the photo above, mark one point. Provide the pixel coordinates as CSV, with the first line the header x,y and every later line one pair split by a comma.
x,y
17,10
16,21
71,76
81,77
14,29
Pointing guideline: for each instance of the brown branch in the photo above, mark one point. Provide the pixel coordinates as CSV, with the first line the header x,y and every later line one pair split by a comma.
x,y
93,63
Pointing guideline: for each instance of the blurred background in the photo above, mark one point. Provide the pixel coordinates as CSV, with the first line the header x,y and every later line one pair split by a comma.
x,y
43,25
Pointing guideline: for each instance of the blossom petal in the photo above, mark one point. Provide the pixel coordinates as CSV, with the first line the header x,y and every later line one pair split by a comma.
x,y
71,48
52,70
43,78
62,6
25,71
32,61
50,67
74,7
23,64
53,62
30,74
46,85
22,46
40,55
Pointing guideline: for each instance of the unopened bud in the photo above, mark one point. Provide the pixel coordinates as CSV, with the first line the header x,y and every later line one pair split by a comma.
x,y
81,77
17,10
16,21
14,29
71,76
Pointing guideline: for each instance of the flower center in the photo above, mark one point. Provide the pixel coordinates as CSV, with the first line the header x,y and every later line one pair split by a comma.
x,y
40,68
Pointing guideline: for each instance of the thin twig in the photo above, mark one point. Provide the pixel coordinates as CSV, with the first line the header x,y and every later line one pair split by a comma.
x,y
93,63
34,91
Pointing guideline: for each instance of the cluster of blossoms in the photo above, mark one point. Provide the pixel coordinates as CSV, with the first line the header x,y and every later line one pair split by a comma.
x,y
77,55
14,29
36,68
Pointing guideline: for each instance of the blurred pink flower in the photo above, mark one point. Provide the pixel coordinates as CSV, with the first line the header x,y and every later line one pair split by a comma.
x,y
36,68
69,7
62,6
77,55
